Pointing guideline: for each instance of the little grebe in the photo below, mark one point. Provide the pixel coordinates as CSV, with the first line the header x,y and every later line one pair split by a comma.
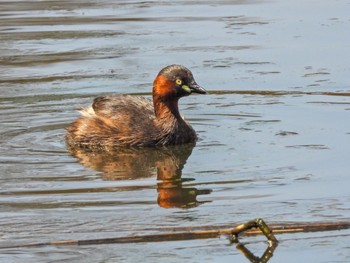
x,y
125,120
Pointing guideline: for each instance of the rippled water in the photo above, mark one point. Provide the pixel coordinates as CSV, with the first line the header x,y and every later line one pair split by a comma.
x,y
274,130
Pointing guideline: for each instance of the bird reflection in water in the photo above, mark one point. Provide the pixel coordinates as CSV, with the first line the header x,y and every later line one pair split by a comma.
x,y
135,163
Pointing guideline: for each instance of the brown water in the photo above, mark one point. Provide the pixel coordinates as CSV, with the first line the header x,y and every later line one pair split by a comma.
x,y
274,130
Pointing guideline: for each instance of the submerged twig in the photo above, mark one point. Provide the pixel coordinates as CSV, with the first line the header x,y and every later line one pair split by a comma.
x,y
243,229
257,223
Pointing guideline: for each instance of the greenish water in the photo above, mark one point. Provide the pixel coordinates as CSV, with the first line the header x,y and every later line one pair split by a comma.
x,y
274,135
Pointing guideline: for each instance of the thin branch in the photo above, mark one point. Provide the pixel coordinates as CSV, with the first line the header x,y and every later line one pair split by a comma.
x,y
251,228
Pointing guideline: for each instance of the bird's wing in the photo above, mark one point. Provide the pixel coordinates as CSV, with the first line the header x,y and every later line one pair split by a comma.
x,y
121,106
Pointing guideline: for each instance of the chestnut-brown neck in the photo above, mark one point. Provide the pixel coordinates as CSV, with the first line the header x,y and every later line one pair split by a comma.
x,y
165,100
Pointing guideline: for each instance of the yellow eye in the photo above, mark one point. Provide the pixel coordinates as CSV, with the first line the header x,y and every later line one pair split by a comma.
x,y
178,81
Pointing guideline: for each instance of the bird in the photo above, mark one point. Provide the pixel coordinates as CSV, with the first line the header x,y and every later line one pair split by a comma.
x,y
134,121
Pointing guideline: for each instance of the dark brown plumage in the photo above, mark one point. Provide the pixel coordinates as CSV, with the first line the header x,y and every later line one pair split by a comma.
x,y
125,120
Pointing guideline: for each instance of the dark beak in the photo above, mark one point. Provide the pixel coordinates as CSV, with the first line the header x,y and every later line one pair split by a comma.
x,y
194,87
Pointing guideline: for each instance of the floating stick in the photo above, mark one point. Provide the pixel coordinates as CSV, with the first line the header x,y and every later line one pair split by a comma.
x,y
243,229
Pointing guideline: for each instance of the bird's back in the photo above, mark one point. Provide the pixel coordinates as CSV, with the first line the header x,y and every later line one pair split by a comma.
x,y
114,120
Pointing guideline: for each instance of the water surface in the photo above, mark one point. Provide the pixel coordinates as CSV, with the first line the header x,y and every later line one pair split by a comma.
x,y
274,135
